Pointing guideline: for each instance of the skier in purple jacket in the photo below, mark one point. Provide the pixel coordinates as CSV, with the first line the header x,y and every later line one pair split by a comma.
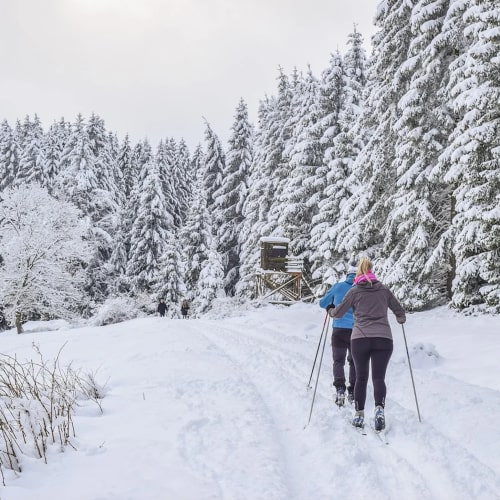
x,y
371,339
341,338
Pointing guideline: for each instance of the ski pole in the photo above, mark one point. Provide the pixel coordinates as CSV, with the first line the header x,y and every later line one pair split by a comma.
x,y
317,350
317,378
411,373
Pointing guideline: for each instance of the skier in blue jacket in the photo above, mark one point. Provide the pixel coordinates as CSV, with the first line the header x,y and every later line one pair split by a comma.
x,y
341,338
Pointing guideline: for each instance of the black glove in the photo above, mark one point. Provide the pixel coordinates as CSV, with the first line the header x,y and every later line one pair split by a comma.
x,y
331,310
401,321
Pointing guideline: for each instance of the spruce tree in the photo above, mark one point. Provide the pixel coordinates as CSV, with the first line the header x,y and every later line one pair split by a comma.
x,y
472,160
279,146
210,284
85,181
214,164
120,282
30,168
125,164
50,156
9,156
420,205
171,182
184,178
230,197
170,285
342,91
301,189
151,231
366,211
196,237
259,198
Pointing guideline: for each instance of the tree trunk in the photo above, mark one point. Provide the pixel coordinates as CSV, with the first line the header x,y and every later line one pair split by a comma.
x,y
19,323
452,263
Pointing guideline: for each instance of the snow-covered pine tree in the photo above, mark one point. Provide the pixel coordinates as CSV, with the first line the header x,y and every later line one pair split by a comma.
x,y
184,178
9,155
117,180
420,205
332,95
105,153
196,237
196,166
169,176
30,168
96,132
142,156
451,36
473,158
214,164
278,148
259,197
301,189
78,182
170,285
355,67
210,284
119,281
151,230
366,211
332,91
125,164
50,156
342,89
231,195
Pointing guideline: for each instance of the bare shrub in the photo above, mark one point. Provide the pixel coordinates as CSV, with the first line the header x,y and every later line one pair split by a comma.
x,y
37,404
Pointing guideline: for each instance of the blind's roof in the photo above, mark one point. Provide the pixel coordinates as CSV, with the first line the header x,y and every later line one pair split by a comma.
x,y
271,239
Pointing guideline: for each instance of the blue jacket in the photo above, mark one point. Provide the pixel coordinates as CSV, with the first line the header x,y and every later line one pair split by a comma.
x,y
335,296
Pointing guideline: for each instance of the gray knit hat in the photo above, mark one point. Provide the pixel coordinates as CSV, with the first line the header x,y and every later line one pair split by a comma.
x,y
352,268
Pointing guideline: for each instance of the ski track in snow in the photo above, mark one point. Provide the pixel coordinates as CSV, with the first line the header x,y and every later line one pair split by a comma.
x,y
274,365
250,428
306,459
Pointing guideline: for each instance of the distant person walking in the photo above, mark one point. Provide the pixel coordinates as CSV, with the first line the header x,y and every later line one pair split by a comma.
x,y
371,340
162,307
341,338
184,309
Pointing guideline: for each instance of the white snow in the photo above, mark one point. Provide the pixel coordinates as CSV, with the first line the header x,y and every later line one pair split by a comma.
x,y
217,408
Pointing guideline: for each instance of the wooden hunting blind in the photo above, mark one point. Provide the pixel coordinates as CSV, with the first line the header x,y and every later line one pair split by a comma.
x,y
273,253
280,276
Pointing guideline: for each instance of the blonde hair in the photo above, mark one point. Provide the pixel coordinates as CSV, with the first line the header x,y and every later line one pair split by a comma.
x,y
364,266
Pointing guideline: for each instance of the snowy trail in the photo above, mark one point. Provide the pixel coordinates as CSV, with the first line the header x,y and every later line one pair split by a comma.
x,y
332,447
275,366
250,426
217,409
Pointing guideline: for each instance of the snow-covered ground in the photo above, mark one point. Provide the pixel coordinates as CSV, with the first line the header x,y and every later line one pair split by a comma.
x,y
217,409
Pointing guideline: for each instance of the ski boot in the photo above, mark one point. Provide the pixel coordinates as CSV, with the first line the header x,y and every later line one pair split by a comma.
x,y
359,419
340,397
379,419
350,395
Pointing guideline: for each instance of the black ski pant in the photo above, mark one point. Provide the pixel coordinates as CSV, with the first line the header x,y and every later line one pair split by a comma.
x,y
378,351
341,347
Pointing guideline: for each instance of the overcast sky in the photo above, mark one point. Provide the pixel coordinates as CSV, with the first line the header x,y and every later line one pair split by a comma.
x,y
154,68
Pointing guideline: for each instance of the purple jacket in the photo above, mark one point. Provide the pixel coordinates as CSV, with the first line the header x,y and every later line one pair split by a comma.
x,y
370,302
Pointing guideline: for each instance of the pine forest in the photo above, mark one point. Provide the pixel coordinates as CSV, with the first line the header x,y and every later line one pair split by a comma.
x,y
394,155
